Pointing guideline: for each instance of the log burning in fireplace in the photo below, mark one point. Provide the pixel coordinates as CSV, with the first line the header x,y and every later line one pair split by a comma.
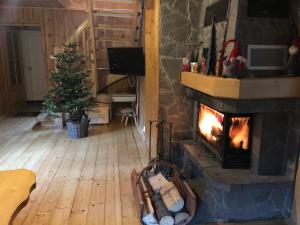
x,y
210,124
239,133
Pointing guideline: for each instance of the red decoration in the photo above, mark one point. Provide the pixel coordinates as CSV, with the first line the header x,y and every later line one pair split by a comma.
x,y
57,99
234,63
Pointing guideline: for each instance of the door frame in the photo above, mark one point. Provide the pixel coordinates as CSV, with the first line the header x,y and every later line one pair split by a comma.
x,y
7,96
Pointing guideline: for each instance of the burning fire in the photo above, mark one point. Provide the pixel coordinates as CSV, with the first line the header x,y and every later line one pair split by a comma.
x,y
210,123
239,133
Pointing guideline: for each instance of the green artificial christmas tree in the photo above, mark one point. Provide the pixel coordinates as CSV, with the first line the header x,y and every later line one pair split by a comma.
x,y
70,93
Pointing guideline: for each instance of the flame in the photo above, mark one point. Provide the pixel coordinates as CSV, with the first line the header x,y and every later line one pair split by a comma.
x,y
239,133
210,123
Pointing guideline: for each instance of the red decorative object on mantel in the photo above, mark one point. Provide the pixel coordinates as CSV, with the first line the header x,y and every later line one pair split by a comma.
x,y
186,65
232,65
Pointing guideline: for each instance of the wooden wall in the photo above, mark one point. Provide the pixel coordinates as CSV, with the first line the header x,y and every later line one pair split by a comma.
x,y
4,88
114,4
57,26
116,22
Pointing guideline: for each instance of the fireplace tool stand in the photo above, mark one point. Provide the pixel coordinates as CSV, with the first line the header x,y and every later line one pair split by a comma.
x,y
164,133
163,145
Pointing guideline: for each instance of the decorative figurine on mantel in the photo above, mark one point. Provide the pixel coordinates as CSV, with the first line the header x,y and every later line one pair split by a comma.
x,y
235,63
293,64
185,65
194,60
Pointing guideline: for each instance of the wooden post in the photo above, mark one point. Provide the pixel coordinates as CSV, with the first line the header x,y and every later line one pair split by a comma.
x,y
152,26
94,72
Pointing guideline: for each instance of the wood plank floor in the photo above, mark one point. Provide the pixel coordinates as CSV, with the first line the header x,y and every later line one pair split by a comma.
x,y
79,182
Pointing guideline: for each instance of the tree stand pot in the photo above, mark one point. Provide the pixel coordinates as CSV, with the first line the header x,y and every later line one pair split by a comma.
x,y
78,130
59,120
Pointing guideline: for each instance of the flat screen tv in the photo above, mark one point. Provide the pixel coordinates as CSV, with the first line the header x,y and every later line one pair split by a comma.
x,y
127,61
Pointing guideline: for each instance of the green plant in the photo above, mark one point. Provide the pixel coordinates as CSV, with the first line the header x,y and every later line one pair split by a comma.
x,y
70,85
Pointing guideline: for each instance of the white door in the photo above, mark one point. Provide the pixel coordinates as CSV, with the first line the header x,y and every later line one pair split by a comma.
x,y
34,65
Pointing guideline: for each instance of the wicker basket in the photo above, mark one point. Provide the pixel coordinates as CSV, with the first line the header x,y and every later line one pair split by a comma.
x,y
78,130
177,177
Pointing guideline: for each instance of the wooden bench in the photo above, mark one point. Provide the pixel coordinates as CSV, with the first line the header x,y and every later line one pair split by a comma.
x,y
15,187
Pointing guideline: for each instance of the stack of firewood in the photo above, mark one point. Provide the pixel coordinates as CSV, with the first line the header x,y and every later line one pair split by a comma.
x,y
163,203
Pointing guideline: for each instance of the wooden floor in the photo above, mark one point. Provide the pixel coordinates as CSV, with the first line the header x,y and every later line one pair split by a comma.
x,y
82,182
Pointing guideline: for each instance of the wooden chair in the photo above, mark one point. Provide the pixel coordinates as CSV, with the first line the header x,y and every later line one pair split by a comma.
x,y
129,113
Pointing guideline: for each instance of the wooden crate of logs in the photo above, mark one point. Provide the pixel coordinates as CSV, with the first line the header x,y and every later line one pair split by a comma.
x,y
161,199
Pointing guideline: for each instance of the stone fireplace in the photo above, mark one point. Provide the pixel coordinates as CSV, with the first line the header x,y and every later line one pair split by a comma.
x,y
260,185
255,181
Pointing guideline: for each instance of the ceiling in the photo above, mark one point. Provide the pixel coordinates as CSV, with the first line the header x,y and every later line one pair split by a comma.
x,y
79,4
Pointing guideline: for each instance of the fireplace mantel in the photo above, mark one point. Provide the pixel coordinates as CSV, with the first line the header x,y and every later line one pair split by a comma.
x,y
247,88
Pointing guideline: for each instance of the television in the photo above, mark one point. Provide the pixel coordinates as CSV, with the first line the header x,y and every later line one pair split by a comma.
x,y
126,61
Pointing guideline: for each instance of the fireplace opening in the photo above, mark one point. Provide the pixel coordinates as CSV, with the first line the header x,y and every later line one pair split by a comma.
x,y
226,135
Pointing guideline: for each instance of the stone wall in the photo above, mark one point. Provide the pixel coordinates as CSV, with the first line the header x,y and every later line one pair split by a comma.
x,y
179,35
182,31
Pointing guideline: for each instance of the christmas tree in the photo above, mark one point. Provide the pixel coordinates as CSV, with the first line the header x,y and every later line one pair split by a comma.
x,y
70,92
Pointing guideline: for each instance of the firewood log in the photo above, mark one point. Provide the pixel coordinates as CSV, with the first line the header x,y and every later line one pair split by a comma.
x,y
181,218
148,217
171,197
163,215
157,182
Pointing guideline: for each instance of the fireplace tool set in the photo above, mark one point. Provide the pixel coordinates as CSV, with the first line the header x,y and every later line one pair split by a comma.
x,y
161,192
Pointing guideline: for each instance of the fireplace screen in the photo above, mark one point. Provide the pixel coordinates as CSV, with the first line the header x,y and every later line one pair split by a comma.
x,y
227,136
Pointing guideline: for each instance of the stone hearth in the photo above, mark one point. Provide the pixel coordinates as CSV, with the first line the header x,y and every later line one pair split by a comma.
x,y
234,195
